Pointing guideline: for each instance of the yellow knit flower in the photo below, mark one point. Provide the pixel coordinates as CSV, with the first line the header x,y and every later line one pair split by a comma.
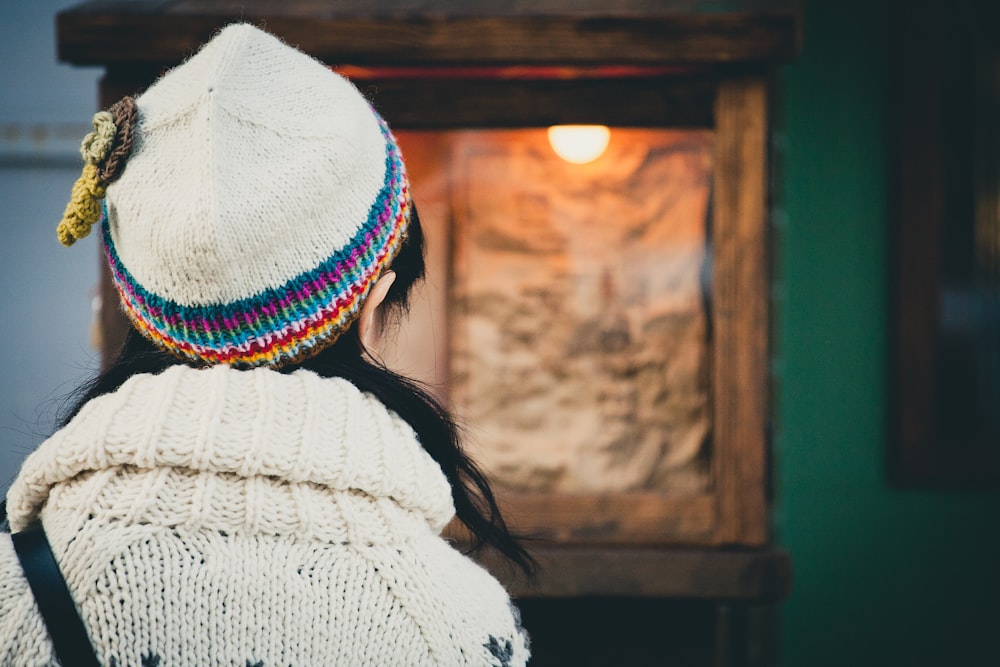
x,y
97,144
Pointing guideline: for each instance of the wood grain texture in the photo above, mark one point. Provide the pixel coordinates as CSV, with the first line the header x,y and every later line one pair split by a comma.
x,y
612,518
739,311
748,575
440,33
637,102
439,104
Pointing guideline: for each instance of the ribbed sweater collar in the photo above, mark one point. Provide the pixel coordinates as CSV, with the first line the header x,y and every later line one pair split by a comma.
x,y
297,428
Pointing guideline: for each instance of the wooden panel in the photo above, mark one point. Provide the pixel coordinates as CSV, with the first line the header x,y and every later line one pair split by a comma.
x,y
389,9
448,104
422,33
753,574
739,311
621,518
942,432
432,104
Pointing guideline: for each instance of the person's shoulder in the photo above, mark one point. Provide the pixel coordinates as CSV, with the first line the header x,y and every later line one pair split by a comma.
x,y
23,640
476,607
13,585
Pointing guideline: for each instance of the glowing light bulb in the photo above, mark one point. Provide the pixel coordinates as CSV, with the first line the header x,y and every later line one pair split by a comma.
x,y
579,144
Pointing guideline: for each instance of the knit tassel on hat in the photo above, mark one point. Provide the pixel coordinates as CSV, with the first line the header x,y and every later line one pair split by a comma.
x,y
104,152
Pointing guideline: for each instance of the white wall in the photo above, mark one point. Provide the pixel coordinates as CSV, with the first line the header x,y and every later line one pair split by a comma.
x,y
45,310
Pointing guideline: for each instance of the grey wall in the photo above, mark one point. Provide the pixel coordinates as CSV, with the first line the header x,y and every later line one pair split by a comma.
x,y
45,301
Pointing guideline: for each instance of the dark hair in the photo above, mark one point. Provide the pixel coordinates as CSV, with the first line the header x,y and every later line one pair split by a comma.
x,y
475,504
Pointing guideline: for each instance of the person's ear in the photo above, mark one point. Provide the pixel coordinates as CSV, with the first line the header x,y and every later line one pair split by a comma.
x,y
366,321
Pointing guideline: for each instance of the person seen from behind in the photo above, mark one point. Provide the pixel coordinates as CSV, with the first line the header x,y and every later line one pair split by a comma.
x,y
245,485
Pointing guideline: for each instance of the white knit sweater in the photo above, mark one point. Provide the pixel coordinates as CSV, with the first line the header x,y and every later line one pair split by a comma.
x,y
250,518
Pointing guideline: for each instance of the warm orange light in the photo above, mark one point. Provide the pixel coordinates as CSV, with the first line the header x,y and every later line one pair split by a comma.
x,y
579,144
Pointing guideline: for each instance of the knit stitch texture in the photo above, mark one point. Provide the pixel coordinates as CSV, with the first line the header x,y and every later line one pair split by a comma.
x,y
226,517
262,198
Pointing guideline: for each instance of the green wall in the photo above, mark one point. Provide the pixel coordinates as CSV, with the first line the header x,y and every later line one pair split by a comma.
x,y
883,575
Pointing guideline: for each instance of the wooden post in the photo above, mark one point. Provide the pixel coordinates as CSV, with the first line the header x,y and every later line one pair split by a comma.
x,y
739,310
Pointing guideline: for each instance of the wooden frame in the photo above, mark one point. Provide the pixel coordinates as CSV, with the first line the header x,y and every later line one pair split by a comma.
x,y
676,69
934,196
740,310
758,575
446,32
734,511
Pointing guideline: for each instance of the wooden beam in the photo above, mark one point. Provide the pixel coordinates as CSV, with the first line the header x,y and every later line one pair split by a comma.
x,y
452,104
739,311
612,518
497,32
758,575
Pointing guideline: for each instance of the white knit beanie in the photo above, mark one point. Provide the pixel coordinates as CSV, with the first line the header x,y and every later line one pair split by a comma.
x,y
260,199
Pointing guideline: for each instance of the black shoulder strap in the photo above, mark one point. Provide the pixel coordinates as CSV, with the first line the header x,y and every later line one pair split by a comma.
x,y
69,636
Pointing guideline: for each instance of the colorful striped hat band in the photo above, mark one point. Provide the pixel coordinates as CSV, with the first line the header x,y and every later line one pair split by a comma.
x,y
251,199
285,324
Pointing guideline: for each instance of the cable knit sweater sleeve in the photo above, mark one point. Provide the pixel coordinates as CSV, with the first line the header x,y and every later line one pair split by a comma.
x,y
23,638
